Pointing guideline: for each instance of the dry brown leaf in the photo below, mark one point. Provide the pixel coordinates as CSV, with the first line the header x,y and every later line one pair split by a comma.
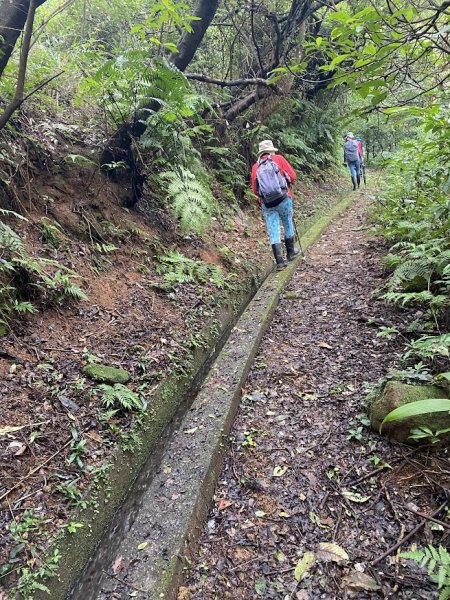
x,y
184,593
118,565
93,435
361,582
20,451
329,552
223,504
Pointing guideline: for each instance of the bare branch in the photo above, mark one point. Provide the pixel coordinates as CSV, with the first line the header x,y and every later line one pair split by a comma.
x,y
232,83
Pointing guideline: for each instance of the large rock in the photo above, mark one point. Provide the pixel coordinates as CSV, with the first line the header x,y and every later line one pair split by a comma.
x,y
106,374
395,394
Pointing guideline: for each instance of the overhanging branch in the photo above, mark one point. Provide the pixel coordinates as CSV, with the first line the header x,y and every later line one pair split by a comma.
x,y
234,82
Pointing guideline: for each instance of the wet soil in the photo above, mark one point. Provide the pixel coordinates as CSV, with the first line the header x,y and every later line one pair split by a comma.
x,y
303,467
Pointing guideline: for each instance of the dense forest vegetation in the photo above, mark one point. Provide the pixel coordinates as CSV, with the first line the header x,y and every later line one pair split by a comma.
x,y
167,101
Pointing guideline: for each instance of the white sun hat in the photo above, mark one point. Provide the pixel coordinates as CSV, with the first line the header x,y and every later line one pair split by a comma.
x,y
266,146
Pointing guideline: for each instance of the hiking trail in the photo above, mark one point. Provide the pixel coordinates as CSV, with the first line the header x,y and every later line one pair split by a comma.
x,y
297,471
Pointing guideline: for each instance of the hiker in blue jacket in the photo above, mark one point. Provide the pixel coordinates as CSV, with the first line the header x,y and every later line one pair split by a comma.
x,y
352,158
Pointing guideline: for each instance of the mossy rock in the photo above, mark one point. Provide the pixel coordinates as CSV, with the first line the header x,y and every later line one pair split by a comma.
x,y
106,374
291,295
395,394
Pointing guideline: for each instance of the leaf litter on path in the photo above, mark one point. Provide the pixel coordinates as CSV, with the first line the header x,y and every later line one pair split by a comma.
x,y
312,368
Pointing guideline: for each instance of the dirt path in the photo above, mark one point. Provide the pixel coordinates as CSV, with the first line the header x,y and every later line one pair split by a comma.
x,y
300,441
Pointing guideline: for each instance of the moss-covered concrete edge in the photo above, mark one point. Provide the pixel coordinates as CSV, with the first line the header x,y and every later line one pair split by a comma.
x,y
76,548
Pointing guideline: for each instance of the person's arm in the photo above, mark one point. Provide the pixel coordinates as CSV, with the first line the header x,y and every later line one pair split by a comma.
x,y
286,168
253,179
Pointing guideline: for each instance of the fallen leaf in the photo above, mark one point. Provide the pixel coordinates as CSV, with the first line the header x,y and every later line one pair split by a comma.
x,y
354,497
260,513
330,552
242,554
10,429
222,504
281,418
118,565
68,403
324,345
303,565
193,430
184,593
142,545
93,435
279,471
260,586
284,514
20,451
361,582
167,469
280,557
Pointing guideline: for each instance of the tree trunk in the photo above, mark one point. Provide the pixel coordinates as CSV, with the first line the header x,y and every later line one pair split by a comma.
x,y
189,42
119,145
13,16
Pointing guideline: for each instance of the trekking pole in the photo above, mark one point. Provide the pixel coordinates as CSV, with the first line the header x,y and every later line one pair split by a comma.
x,y
298,237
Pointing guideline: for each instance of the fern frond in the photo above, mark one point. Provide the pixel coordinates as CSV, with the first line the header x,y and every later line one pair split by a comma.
x,y
178,268
10,242
429,346
409,270
191,199
437,563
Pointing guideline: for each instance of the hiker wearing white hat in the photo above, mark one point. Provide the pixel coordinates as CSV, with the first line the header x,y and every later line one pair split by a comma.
x,y
352,158
271,178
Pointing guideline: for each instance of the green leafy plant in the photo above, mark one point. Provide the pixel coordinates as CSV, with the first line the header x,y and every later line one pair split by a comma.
x,y
27,556
436,561
421,407
387,332
72,494
22,276
429,347
178,268
52,233
425,433
119,397
190,198
77,449
356,434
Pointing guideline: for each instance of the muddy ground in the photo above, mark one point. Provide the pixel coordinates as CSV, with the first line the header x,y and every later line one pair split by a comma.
x,y
298,471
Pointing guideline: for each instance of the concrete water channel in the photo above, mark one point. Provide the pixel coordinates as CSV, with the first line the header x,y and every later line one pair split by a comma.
x,y
157,526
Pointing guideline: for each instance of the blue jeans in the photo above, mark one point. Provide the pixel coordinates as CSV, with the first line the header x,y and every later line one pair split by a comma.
x,y
354,166
284,212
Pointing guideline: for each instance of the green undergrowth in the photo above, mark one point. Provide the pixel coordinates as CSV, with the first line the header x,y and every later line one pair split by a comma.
x,y
27,280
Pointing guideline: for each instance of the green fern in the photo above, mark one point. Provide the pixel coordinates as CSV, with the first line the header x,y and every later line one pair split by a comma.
x,y
177,268
190,198
429,346
10,242
410,271
437,563
44,277
120,397
62,287
436,301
